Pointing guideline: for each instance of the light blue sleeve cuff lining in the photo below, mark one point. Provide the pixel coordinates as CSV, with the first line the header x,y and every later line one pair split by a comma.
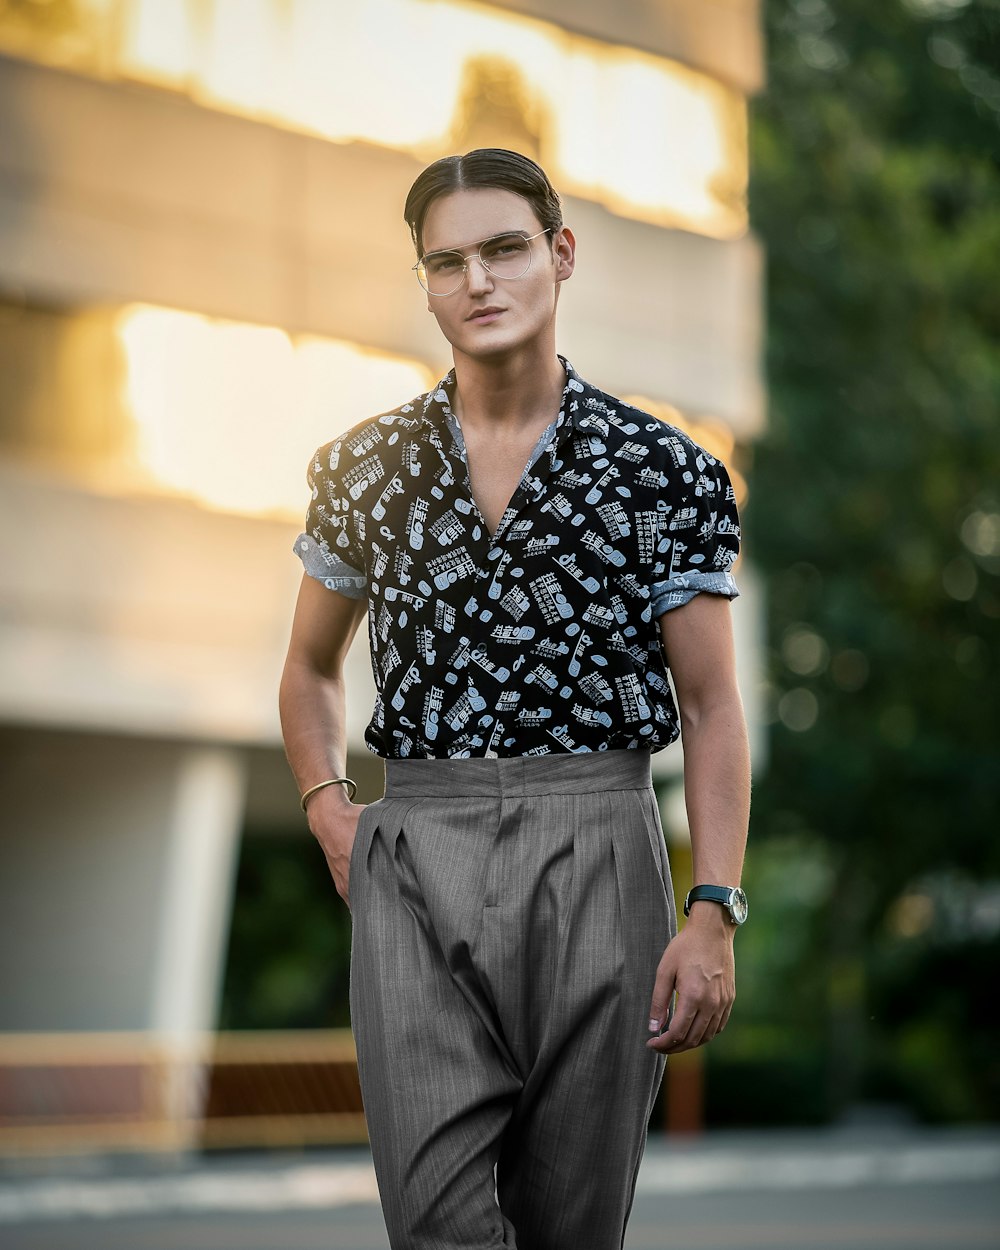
x,y
682,588
335,574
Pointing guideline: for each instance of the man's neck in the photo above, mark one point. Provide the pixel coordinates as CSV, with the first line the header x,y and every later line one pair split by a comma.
x,y
510,395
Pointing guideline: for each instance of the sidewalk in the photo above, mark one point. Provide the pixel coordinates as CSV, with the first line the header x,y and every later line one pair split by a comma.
x,y
723,1162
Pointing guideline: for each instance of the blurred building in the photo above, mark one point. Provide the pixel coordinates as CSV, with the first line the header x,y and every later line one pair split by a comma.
x,y
204,274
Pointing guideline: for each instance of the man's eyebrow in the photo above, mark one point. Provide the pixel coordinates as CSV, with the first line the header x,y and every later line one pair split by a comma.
x,y
447,251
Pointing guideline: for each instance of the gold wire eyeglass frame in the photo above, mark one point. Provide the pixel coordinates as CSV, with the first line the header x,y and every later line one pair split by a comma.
x,y
526,238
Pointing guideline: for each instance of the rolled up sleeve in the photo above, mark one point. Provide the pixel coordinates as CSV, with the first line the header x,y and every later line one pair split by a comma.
x,y
700,541
328,546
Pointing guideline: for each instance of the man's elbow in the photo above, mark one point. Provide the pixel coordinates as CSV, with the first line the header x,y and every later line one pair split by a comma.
x,y
715,705
303,670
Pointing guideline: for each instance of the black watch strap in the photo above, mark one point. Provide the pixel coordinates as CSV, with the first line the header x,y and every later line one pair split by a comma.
x,y
731,897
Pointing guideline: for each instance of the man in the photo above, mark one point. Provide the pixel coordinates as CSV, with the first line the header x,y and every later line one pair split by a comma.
x,y
531,553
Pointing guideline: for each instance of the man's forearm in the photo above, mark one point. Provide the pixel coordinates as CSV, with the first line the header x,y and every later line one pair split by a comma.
x,y
699,963
313,714
313,723
717,791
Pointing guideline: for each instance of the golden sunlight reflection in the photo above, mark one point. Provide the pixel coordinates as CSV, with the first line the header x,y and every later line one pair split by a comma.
x,y
229,412
643,135
708,432
162,39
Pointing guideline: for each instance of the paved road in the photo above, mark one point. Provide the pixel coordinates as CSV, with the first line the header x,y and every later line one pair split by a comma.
x,y
805,1191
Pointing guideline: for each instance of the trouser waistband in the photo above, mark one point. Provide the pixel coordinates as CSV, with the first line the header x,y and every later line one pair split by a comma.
x,y
519,775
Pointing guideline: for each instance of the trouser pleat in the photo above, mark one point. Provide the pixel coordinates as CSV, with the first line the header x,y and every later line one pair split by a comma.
x,y
504,951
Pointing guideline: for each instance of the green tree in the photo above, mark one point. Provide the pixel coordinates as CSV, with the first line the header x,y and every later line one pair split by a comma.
x,y
288,965
875,516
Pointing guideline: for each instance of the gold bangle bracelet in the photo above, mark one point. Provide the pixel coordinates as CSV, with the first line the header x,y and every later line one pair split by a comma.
x,y
332,782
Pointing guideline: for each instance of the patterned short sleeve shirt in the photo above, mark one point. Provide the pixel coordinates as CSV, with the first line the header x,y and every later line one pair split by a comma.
x,y
542,638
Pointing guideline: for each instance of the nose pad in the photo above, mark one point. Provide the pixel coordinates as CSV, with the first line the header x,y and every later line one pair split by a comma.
x,y
478,276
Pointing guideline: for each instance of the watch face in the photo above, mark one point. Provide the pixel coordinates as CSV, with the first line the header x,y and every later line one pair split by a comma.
x,y
739,905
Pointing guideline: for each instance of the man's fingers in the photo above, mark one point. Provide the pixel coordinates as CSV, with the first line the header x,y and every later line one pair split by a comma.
x,y
663,992
684,1016
689,1031
697,971
697,1033
710,1029
686,1035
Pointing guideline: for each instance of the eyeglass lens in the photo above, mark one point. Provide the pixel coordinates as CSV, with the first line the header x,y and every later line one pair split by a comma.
x,y
508,256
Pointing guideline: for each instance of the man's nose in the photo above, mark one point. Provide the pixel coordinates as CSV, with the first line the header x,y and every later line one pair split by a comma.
x,y
478,276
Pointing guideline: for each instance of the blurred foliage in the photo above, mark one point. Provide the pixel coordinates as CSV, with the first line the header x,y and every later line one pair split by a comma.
x,y
768,1067
289,941
875,518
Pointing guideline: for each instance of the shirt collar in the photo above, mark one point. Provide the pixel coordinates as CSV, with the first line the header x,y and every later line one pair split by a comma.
x,y
439,399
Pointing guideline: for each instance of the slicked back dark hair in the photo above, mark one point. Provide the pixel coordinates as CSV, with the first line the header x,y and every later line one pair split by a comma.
x,y
483,167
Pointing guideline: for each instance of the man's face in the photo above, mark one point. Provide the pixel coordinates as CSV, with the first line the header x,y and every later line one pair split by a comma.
x,y
521,307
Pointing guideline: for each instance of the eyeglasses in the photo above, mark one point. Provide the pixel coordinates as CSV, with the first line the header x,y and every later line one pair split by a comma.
x,y
503,256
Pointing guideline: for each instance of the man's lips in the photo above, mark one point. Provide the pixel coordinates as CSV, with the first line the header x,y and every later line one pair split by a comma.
x,y
484,314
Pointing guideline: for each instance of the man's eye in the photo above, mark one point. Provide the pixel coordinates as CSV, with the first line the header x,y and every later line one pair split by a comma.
x,y
445,264
505,247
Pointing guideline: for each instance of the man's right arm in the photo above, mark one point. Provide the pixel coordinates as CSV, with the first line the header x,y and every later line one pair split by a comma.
x,y
311,704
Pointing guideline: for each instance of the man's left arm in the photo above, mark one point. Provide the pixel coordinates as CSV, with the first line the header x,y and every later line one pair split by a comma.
x,y
699,963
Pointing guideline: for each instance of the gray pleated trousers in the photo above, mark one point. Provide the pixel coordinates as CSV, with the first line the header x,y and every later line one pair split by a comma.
x,y
508,918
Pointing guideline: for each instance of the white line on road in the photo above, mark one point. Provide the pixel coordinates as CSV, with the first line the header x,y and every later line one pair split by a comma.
x,y
328,1185
828,1169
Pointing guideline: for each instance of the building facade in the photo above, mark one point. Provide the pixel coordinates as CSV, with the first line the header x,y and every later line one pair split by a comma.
x,y
204,273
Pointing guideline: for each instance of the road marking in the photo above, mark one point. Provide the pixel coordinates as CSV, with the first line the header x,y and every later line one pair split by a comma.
x,y
277,1189
328,1185
818,1169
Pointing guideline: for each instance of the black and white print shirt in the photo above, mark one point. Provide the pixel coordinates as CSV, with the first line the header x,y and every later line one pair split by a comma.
x,y
544,637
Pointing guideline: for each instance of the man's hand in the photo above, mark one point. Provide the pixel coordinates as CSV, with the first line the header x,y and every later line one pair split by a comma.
x,y
333,819
700,965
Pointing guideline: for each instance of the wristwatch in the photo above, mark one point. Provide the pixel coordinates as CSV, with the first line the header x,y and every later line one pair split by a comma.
x,y
730,896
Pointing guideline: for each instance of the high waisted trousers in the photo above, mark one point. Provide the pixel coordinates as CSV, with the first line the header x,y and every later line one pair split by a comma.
x,y
508,916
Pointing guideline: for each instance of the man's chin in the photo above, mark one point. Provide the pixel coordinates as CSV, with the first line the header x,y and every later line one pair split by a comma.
x,y
489,348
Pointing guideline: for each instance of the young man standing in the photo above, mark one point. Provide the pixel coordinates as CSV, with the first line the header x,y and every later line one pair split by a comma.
x,y
532,554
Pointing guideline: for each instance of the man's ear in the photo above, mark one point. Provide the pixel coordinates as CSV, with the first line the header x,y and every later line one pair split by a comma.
x,y
564,253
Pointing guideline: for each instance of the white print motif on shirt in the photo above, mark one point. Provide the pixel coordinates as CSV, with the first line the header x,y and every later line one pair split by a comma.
x,y
544,638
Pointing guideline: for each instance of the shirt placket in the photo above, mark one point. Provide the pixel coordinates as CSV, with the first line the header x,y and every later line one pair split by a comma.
x,y
491,555
531,487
